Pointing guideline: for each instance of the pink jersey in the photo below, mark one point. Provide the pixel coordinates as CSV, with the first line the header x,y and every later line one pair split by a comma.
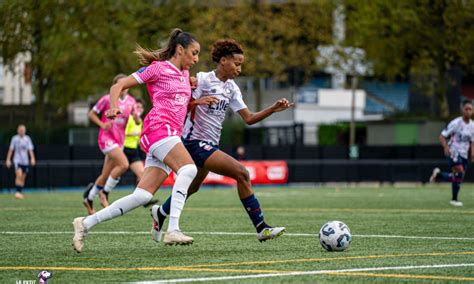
x,y
170,92
115,134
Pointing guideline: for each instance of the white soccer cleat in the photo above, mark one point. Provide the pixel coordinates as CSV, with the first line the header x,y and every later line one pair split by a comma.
x,y
177,238
80,232
434,174
270,233
455,203
156,227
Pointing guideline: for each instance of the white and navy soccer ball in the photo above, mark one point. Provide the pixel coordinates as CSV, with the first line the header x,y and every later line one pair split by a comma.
x,y
335,236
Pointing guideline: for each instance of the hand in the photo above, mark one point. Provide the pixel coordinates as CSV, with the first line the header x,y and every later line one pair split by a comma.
x,y
33,162
112,113
194,82
106,126
208,100
281,105
8,163
446,151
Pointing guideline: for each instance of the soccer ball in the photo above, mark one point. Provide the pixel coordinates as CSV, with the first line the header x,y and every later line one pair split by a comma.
x,y
335,236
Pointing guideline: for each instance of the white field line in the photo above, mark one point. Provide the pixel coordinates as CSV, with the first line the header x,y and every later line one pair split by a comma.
x,y
314,272
232,234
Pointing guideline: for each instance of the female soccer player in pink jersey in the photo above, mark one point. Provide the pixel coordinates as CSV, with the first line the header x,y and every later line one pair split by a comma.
x,y
167,80
202,133
111,139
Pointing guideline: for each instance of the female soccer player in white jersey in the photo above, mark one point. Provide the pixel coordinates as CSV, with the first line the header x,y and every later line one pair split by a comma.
x,y
203,129
111,139
460,133
167,80
20,147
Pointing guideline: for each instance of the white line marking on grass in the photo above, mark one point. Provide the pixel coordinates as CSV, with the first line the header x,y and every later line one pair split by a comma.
x,y
314,272
233,234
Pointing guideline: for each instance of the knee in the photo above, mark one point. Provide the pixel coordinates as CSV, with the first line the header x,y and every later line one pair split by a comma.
x,y
189,170
242,174
142,196
123,167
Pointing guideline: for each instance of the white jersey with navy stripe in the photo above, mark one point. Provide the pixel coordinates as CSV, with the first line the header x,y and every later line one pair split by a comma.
x,y
205,122
460,135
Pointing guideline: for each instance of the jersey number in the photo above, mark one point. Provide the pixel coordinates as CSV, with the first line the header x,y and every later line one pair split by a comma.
x,y
169,130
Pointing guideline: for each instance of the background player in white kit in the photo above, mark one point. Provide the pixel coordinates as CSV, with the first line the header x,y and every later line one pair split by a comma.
x,y
20,147
203,129
460,133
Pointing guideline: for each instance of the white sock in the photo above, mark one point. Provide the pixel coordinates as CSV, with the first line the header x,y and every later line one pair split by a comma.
x,y
184,177
125,204
163,211
110,184
93,193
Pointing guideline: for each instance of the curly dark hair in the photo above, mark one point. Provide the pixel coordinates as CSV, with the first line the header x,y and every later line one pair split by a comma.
x,y
225,47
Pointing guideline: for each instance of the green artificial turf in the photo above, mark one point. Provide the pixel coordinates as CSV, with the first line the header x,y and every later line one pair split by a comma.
x,y
390,226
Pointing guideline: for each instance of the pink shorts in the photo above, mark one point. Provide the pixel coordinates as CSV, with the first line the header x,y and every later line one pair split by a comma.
x,y
149,138
107,145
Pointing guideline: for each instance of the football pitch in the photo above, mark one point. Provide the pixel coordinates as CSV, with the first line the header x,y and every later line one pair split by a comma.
x,y
399,235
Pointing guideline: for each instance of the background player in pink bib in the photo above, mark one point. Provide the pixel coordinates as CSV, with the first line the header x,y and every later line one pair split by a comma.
x,y
167,80
111,139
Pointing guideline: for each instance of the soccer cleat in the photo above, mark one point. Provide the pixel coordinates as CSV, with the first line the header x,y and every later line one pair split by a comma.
x,y
177,238
270,233
455,203
80,232
157,226
88,203
434,174
104,198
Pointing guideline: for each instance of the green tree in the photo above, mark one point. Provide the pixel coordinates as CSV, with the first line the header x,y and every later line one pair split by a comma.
x,y
423,39
276,37
76,46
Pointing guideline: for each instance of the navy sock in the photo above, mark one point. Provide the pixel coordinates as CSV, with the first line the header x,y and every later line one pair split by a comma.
x,y
456,186
18,188
166,206
252,207
445,176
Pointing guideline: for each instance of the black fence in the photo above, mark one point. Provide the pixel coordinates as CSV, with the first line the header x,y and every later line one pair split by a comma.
x,y
51,174
257,152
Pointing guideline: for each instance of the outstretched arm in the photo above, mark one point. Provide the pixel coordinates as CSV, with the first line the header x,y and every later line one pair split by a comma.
x,y
254,117
115,92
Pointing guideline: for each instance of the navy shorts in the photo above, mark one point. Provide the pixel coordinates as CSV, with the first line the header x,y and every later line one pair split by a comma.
x,y
24,168
133,155
200,150
456,161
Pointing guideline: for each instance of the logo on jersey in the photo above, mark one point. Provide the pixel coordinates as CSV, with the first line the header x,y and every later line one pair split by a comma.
x,y
180,99
141,70
218,109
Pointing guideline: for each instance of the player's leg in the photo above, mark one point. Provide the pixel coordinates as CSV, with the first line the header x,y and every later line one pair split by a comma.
x,y
137,168
159,213
223,164
20,177
457,178
173,153
153,177
120,163
92,191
